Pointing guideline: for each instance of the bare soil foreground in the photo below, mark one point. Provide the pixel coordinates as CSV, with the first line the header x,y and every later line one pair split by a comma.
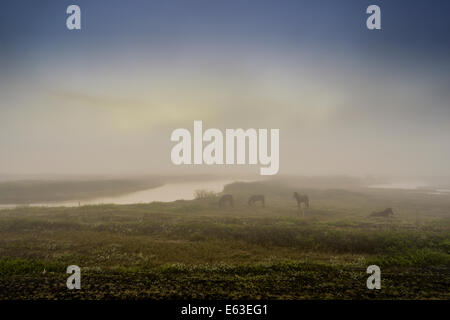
x,y
195,249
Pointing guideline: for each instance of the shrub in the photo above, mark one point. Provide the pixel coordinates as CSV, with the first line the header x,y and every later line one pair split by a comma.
x,y
204,194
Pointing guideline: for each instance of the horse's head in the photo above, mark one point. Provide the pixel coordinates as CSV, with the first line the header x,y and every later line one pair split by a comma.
x,y
295,195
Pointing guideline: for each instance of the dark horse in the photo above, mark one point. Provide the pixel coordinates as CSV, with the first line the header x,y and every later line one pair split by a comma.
x,y
255,198
301,199
385,213
226,198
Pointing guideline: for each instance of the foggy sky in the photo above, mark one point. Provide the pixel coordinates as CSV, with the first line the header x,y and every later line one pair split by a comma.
x,y
105,99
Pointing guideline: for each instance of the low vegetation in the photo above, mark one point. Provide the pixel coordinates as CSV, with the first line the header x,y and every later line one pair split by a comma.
x,y
194,249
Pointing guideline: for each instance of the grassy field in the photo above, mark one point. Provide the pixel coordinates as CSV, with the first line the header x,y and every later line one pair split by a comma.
x,y
194,249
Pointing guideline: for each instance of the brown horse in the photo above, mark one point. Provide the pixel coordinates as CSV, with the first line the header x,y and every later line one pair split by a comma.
x,y
255,198
226,198
386,213
301,199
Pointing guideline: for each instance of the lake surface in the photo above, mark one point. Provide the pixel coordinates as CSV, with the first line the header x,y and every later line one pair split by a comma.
x,y
413,186
165,193
400,185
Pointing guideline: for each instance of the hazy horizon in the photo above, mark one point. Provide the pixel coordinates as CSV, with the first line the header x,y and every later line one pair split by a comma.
x,y
104,100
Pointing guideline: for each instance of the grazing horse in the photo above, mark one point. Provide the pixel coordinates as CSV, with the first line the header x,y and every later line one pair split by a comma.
x,y
226,198
301,199
255,198
385,213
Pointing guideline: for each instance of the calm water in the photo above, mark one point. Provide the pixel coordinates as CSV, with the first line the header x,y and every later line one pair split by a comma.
x,y
166,193
400,185
413,186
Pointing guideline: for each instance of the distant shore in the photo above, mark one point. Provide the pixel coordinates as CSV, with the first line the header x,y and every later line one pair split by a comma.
x,y
78,191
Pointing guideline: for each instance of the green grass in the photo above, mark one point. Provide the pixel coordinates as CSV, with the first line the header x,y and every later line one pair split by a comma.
x,y
194,249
